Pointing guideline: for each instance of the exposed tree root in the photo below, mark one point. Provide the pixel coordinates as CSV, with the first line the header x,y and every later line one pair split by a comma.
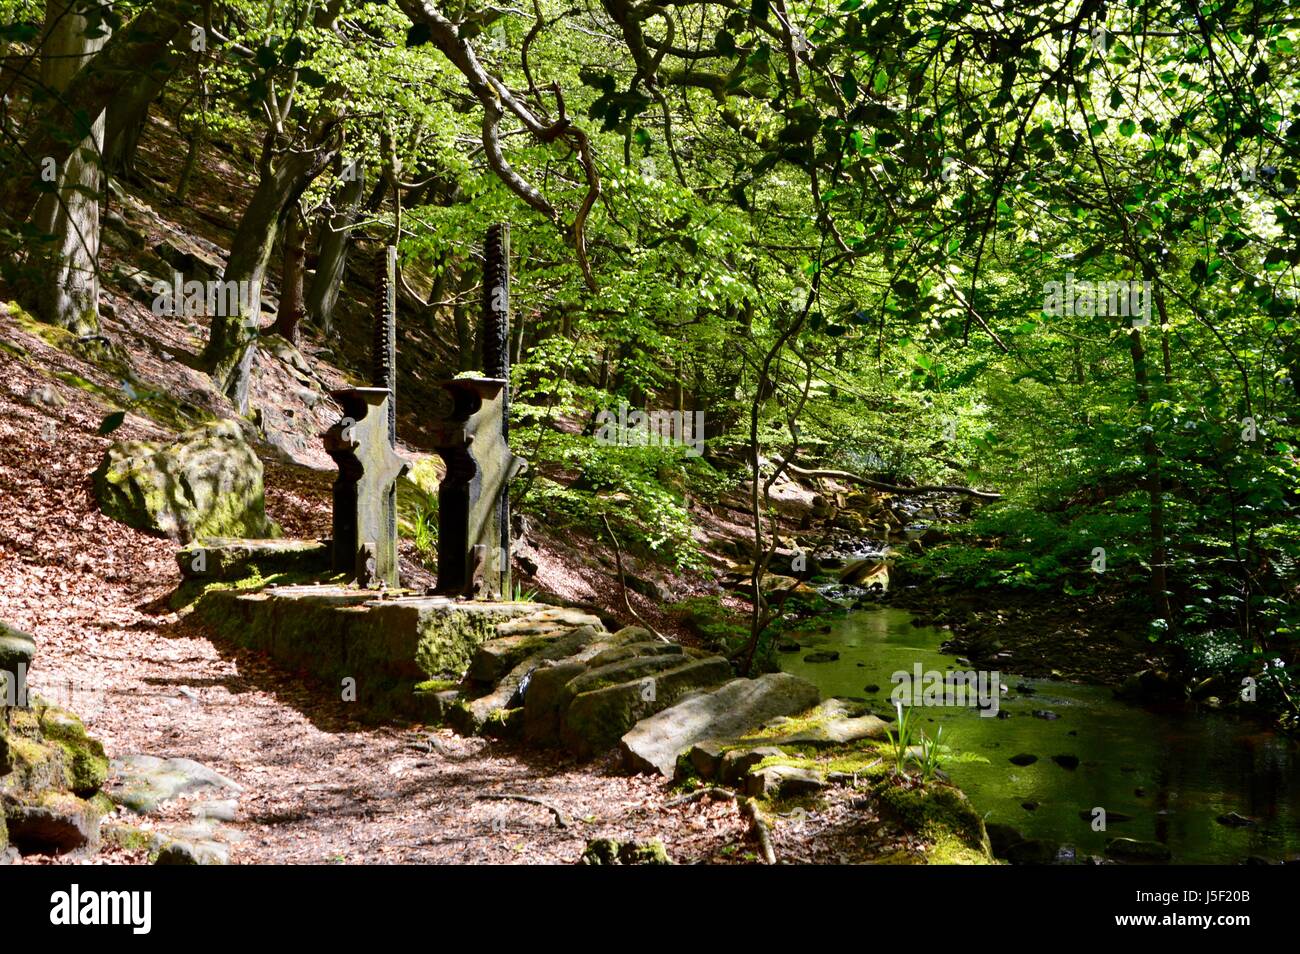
x,y
761,829
561,819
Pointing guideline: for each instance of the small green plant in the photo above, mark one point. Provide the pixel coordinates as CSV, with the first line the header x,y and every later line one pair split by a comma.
x,y
900,737
424,530
520,595
932,754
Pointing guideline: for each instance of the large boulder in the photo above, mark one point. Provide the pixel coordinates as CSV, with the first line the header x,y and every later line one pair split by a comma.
x,y
597,718
736,708
206,483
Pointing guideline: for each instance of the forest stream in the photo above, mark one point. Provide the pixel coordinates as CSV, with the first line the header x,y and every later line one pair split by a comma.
x,y
1164,774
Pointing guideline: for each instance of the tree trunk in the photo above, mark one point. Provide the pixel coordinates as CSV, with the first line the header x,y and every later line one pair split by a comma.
x,y
332,256
145,44
229,352
1155,494
187,170
197,137
125,121
228,356
291,279
69,285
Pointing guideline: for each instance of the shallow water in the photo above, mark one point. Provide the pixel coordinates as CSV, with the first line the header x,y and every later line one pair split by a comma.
x,y
1174,769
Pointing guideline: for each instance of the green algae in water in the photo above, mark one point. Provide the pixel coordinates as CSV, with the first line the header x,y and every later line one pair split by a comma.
x,y
1190,765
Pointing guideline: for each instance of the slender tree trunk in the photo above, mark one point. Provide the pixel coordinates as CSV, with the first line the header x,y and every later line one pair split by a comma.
x,y
522,327
69,286
1163,311
332,255
468,350
291,280
187,170
198,138
229,352
1155,494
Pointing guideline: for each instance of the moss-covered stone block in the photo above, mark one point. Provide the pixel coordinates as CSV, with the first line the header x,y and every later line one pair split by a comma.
x,y
206,483
388,647
218,558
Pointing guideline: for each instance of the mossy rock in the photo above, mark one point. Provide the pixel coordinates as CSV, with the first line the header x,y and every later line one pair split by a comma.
x,y
46,749
128,837
220,559
504,724
205,484
831,723
1132,849
16,649
609,851
942,815
53,823
34,765
143,783
85,763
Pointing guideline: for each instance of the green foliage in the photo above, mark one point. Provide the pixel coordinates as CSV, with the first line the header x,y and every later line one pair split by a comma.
x,y
1014,547
899,737
722,630
424,531
640,490
417,508
932,754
